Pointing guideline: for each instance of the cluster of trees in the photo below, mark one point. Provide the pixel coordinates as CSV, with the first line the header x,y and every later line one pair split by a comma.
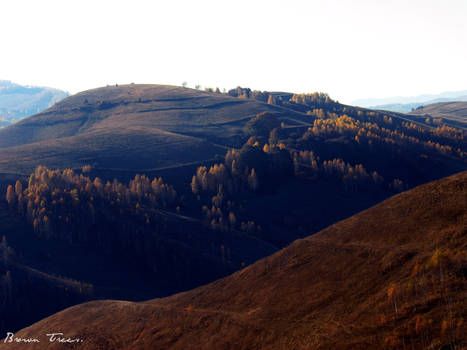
x,y
352,177
263,96
262,124
371,132
448,131
366,126
442,134
71,207
314,99
138,223
329,125
252,169
430,120
317,112
305,159
349,172
215,187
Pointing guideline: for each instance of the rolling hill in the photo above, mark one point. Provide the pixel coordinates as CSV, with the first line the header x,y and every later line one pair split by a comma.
x,y
18,102
402,100
44,274
127,127
158,189
151,128
361,283
455,111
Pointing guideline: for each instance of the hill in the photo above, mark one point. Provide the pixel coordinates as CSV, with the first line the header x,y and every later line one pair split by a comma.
x,y
125,127
402,100
172,188
120,130
49,264
361,283
18,102
454,111
409,107
146,127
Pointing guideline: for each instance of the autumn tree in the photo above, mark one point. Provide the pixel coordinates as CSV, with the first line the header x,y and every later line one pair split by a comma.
x,y
10,195
271,100
195,187
232,219
253,180
18,187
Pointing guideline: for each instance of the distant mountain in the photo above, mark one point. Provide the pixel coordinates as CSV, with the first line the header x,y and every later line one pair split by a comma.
x,y
18,102
406,104
409,107
391,277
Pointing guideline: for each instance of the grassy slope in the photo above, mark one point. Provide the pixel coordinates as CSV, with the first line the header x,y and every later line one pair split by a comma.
x,y
455,111
150,123
326,291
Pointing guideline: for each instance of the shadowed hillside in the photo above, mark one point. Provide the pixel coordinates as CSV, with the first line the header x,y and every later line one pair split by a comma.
x,y
110,242
391,277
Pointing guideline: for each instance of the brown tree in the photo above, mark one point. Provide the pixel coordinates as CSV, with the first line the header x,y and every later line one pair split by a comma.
x,y
10,195
18,187
253,180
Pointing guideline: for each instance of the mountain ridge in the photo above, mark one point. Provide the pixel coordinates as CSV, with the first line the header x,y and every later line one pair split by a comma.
x,y
18,102
367,102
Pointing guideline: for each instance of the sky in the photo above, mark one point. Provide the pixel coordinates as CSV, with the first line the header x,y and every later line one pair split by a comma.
x,y
348,48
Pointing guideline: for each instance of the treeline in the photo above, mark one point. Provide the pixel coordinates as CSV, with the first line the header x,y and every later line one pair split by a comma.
x,y
316,99
114,217
408,134
276,153
352,177
264,165
248,170
139,223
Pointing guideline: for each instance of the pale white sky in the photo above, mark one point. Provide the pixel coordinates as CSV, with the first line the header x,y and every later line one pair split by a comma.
x,y
348,48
